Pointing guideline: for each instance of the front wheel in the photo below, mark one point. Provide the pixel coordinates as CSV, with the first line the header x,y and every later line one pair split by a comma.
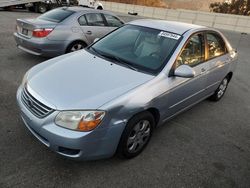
x,y
136,135
220,91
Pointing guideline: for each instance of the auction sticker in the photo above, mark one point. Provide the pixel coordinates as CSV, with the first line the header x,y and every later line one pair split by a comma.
x,y
169,35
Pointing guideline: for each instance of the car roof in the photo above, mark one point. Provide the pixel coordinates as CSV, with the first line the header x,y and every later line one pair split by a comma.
x,y
170,26
80,9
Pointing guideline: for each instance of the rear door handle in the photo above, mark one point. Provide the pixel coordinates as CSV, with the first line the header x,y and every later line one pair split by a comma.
x,y
89,32
203,70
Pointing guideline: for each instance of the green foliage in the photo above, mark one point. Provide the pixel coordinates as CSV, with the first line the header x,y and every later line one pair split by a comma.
x,y
240,7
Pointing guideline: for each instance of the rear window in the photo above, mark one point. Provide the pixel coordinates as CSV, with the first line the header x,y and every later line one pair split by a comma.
x,y
56,15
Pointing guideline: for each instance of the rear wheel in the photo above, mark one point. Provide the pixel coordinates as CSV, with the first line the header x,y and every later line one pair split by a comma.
x,y
75,46
41,8
136,135
220,91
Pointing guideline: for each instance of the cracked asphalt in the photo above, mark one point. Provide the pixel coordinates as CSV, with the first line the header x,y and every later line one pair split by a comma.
x,y
206,146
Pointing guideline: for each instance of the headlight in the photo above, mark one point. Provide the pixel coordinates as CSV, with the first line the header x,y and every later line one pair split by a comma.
x,y
79,120
25,78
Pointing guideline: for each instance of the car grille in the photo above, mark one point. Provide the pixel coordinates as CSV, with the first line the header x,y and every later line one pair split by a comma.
x,y
36,107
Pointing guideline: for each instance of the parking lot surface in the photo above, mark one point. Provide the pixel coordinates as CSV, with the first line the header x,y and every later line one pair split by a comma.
x,y
206,146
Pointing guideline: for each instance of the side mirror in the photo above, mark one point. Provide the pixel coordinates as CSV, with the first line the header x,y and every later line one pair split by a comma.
x,y
184,71
96,39
233,53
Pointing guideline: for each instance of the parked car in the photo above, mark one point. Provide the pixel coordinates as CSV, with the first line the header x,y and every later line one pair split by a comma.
x,y
63,30
110,96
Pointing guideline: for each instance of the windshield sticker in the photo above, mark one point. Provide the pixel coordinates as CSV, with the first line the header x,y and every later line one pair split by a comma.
x,y
169,35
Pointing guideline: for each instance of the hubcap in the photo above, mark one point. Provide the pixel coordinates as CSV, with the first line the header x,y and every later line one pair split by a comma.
x,y
222,88
76,47
42,9
138,136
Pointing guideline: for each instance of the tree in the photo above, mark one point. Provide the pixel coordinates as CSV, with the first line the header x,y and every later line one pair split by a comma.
x,y
240,7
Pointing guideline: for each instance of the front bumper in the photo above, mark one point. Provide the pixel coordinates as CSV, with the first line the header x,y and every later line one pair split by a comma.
x,y
96,144
40,46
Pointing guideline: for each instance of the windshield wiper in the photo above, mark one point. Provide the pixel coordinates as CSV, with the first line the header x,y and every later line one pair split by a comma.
x,y
119,60
96,51
129,65
112,57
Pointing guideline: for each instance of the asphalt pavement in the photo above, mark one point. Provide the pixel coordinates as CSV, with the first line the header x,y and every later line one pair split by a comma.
x,y
206,146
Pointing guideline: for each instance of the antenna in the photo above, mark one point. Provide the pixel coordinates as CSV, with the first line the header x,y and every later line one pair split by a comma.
x,y
240,41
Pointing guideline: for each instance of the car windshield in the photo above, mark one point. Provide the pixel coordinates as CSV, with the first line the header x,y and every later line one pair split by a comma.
x,y
56,15
141,48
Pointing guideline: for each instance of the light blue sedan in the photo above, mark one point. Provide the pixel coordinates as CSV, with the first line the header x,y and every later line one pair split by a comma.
x,y
109,98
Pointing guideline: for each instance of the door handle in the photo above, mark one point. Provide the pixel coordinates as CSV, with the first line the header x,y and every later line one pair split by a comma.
x,y
203,70
89,32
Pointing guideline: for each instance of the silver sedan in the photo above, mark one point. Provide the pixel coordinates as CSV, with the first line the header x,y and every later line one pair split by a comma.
x,y
63,30
110,96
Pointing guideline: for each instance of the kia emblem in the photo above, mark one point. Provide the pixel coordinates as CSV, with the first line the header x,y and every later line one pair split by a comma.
x,y
30,103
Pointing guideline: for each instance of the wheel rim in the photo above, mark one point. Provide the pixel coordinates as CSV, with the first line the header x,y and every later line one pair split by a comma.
x,y
139,136
42,9
76,47
222,88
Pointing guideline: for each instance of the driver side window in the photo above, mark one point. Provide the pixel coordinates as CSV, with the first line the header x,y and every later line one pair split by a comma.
x,y
193,53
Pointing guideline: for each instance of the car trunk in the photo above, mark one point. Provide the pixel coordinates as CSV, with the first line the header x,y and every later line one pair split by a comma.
x,y
25,27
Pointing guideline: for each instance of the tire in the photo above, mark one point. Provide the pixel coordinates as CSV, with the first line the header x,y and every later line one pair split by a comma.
x,y
133,13
75,46
136,135
99,8
41,8
220,91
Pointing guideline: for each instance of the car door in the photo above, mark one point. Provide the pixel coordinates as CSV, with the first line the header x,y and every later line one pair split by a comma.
x,y
218,58
184,92
93,26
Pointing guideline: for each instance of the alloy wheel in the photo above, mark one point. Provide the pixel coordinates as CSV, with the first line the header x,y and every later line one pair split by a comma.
x,y
222,88
138,136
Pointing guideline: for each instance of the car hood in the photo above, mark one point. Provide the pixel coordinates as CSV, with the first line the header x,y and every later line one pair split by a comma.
x,y
81,80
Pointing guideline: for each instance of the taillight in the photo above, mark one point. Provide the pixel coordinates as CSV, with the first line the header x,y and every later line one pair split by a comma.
x,y
40,33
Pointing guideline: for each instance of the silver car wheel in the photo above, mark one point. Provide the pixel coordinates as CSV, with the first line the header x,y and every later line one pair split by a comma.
x,y
222,88
76,47
138,136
